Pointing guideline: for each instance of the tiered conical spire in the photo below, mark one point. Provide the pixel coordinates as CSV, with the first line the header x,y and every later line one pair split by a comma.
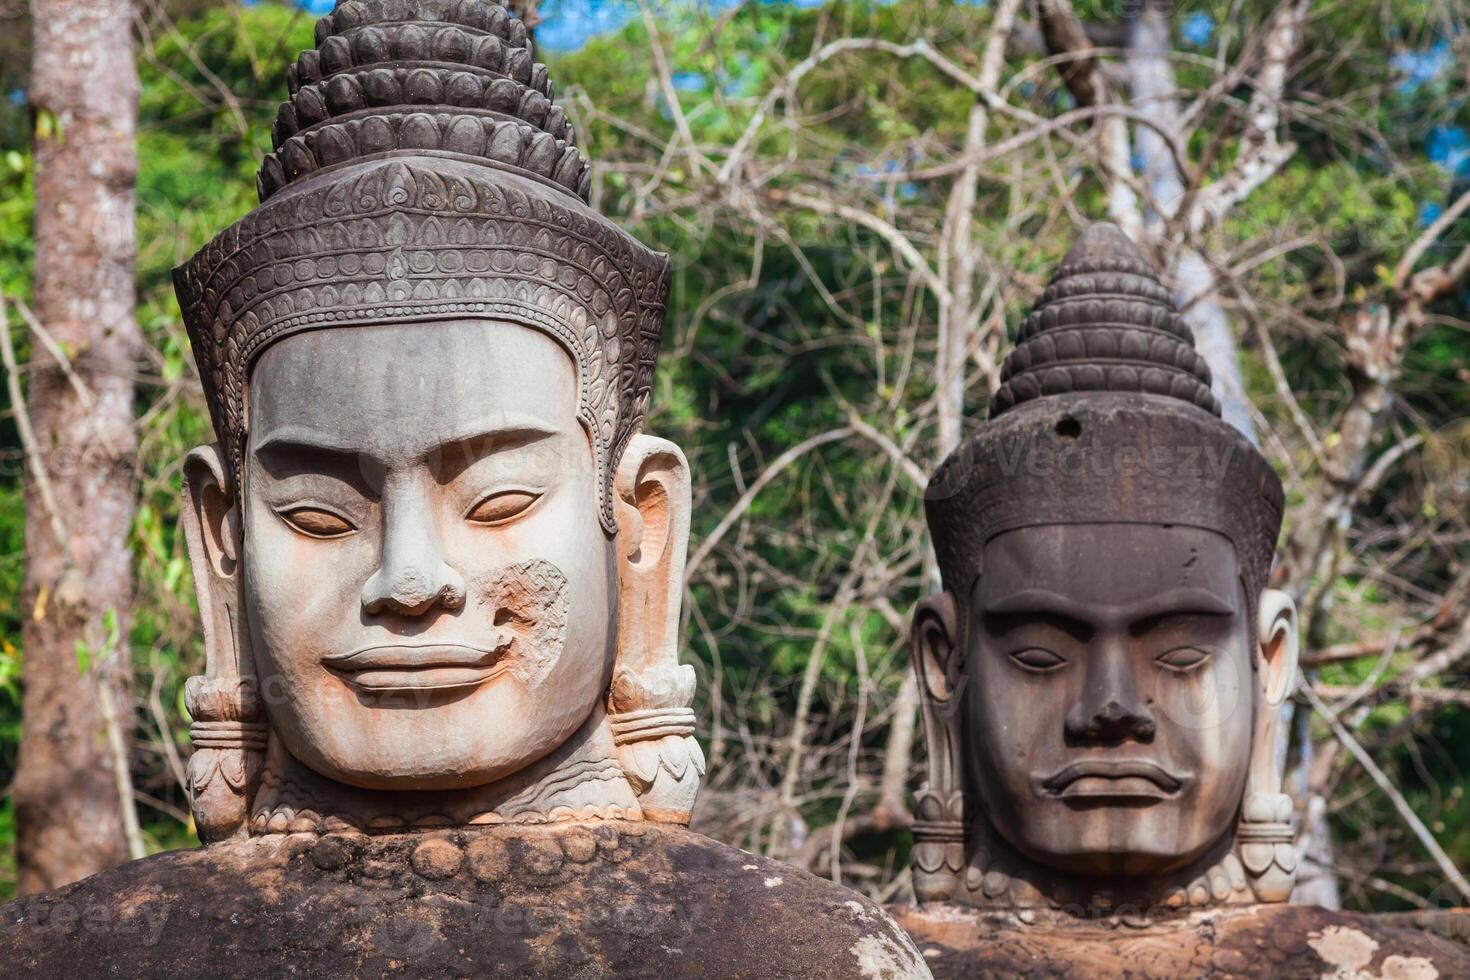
x,y
1105,323
431,77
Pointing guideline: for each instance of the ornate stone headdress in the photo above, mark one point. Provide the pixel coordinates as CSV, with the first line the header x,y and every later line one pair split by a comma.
x,y
1104,415
420,173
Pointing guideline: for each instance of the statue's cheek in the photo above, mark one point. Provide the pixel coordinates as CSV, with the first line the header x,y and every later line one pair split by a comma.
x,y
1206,708
528,602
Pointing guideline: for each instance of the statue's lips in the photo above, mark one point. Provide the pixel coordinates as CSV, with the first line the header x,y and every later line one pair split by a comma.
x,y
384,668
1113,778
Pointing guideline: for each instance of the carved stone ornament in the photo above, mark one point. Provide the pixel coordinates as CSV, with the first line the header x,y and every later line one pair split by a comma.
x,y
443,729
1105,668
425,204
1103,674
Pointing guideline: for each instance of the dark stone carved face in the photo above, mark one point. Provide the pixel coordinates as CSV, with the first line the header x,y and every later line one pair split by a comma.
x,y
431,596
1109,694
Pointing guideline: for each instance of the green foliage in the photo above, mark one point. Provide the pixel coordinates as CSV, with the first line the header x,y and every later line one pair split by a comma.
x,y
757,359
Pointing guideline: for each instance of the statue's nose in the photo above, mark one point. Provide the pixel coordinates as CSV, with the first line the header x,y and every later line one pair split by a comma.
x,y
1113,722
412,576
410,591
1111,709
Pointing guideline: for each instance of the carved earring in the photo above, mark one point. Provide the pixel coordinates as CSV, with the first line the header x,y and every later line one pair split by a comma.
x,y
939,819
649,703
228,730
1267,840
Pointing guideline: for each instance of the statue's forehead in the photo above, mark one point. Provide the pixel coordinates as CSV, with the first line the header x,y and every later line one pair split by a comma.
x,y
411,386
1110,564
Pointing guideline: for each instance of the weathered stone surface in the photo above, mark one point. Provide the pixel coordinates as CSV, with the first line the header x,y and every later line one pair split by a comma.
x,y
1106,668
1280,942
611,899
439,565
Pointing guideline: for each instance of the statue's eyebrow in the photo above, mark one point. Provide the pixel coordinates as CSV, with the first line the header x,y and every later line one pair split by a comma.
x,y
508,433
1042,602
1174,602
1177,602
295,440
503,431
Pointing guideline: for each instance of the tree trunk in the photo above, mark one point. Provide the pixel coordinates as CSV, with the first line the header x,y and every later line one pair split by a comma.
x,y
68,789
1155,95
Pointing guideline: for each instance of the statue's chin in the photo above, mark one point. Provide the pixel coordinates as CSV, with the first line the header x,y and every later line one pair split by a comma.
x,y
414,769
446,747
1106,842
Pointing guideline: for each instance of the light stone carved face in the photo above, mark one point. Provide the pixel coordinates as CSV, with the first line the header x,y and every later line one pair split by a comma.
x,y
431,597
1109,694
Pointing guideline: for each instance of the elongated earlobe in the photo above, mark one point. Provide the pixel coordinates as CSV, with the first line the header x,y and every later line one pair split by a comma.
x,y
933,639
228,730
939,811
649,702
1267,840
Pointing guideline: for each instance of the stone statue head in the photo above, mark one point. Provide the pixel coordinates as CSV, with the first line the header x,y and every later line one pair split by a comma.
x,y
438,565
1104,670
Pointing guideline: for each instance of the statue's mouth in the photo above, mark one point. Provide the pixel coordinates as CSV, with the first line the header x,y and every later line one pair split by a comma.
x,y
1119,779
387,668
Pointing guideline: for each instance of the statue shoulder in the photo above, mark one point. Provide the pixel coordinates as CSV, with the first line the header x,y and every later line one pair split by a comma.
x,y
611,898
1259,940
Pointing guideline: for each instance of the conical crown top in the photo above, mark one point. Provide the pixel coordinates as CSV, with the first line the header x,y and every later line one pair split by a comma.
x,y
1104,323
450,78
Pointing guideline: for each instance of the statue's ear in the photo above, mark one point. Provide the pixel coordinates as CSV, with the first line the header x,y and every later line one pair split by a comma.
x,y
652,506
1267,841
228,729
938,852
1280,644
651,692
212,532
934,647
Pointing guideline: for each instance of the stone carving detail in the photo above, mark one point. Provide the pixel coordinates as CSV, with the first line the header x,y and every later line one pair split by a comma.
x,y
1104,671
568,787
229,739
524,148
1268,845
939,844
656,743
1105,323
426,188
649,702
466,65
529,601
430,177
404,87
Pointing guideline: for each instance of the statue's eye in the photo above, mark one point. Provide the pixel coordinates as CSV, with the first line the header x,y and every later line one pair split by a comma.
x,y
1038,660
501,507
1182,659
316,522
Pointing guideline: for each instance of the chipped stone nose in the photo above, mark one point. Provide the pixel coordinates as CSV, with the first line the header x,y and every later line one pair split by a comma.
x,y
412,576
1113,722
412,592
